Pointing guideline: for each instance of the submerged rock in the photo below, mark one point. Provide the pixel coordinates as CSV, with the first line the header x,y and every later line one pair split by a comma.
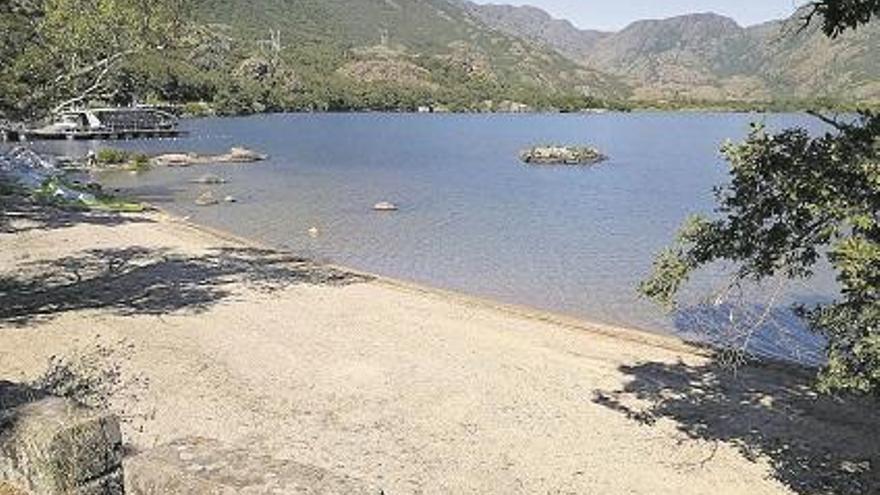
x,y
210,179
567,155
385,206
207,199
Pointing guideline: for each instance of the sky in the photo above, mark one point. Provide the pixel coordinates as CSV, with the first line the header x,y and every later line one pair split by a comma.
x,y
614,15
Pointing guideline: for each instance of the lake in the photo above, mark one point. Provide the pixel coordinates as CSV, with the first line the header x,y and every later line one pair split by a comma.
x,y
473,218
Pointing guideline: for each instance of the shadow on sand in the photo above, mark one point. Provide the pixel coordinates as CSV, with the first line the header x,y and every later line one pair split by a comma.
x,y
815,445
137,280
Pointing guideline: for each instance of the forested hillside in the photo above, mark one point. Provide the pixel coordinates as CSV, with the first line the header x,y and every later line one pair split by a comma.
x,y
272,55
405,53
235,57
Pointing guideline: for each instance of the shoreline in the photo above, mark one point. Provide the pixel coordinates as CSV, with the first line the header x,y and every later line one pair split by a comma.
x,y
564,321
407,388
628,334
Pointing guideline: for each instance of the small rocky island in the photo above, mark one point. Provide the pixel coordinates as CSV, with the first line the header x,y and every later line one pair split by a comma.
x,y
236,155
562,155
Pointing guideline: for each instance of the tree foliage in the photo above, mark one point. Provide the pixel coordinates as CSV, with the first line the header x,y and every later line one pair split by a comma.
x,y
792,201
838,16
65,52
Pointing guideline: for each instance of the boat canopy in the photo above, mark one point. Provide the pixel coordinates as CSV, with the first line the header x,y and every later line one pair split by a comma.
x,y
119,119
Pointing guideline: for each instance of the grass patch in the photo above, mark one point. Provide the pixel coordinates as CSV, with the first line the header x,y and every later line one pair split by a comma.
x,y
57,192
123,159
115,204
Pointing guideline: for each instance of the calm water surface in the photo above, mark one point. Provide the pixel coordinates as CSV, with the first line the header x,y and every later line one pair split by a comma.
x,y
473,218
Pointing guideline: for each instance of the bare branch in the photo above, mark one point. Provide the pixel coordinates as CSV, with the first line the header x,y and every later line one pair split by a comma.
x,y
103,63
96,85
807,18
840,126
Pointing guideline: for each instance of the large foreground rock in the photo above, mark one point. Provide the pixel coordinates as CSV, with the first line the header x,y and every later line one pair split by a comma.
x,y
52,446
208,467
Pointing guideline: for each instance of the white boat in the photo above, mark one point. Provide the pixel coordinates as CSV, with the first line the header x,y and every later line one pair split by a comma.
x,y
108,123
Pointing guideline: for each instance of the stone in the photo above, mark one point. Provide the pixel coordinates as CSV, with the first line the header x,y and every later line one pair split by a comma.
x,y
6,489
210,179
176,159
207,199
50,445
385,206
239,154
208,467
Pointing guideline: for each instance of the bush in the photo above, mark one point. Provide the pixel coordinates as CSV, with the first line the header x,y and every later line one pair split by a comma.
x,y
110,156
140,162
198,109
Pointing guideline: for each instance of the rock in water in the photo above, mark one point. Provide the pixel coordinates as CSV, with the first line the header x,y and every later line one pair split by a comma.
x,y
230,199
176,159
236,155
385,206
207,199
241,154
567,155
210,179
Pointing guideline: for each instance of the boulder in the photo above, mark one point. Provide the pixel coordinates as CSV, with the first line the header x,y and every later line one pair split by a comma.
x,y
207,199
241,155
50,445
385,206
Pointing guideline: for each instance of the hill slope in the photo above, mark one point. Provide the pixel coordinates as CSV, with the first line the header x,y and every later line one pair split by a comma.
x,y
711,57
426,45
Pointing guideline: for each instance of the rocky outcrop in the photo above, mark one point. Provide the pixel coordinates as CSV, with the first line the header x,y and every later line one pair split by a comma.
x,y
235,155
567,155
50,445
707,56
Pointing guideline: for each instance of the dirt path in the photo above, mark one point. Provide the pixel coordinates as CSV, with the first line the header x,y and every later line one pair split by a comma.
x,y
412,391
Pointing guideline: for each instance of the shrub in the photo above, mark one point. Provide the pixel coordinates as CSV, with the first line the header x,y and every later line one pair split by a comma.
x,y
110,156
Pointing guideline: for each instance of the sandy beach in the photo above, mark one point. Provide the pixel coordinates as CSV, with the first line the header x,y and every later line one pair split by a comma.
x,y
408,389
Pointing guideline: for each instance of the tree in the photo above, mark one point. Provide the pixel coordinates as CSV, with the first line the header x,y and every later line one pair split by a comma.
x,y
65,52
792,200
839,15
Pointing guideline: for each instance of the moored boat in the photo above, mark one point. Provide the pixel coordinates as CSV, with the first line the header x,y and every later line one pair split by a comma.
x,y
104,123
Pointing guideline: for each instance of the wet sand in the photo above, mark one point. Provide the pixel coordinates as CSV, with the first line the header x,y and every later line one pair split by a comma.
x,y
409,389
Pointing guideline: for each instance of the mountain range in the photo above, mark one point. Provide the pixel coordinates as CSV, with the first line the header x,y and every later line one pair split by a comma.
x,y
431,44
708,56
